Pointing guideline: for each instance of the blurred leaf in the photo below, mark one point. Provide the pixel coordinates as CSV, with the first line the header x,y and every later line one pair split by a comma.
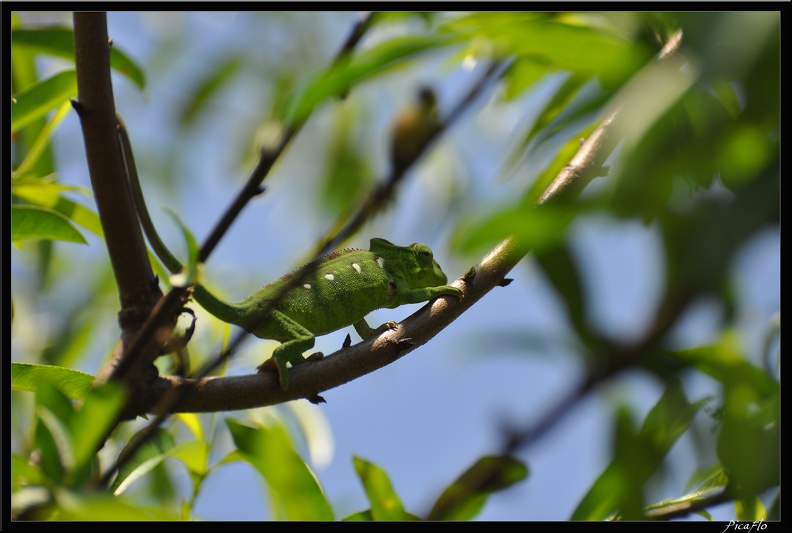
x,y
571,44
385,503
45,192
90,424
558,264
150,454
32,223
346,171
194,454
701,242
340,78
563,157
103,506
465,497
193,423
749,443
59,42
750,510
293,488
726,362
51,433
637,456
219,75
23,472
41,98
534,227
715,483
191,270
41,144
360,516
521,75
572,102
72,383
29,497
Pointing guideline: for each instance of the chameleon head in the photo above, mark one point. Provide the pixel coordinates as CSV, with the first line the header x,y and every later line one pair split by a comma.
x,y
415,259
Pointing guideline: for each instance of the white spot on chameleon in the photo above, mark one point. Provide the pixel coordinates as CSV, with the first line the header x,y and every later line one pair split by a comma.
x,y
330,277
381,262
307,285
356,267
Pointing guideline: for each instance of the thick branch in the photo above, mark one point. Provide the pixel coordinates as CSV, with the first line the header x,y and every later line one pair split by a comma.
x,y
96,109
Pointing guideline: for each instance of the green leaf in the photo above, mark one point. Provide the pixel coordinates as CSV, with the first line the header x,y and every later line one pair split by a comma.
x,y
347,172
191,270
72,383
38,223
194,454
559,266
293,488
533,227
385,503
41,98
51,433
637,456
46,192
465,497
103,506
750,510
59,42
565,42
91,423
341,77
724,361
150,454
24,473
41,144
714,483
218,77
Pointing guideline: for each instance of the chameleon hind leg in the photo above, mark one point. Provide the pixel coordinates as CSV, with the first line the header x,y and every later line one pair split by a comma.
x,y
291,351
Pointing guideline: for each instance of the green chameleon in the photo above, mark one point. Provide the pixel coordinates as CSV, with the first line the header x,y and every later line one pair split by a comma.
x,y
338,290
342,288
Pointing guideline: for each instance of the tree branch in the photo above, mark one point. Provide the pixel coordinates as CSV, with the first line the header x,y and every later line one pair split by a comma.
x,y
95,107
228,393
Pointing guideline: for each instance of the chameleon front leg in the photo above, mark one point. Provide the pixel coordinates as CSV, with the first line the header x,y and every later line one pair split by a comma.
x,y
415,296
366,332
291,351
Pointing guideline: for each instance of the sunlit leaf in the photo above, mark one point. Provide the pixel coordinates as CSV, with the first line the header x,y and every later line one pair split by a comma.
x,y
59,42
51,433
385,503
36,223
90,424
637,455
105,507
752,510
150,454
715,483
41,144
340,78
555,43
292,486
218,77
535,227
194,454
193,423
191,269
47,193
72,383
41,98
466,496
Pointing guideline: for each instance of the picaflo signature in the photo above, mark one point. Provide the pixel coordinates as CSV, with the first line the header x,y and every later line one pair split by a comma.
x,y
745,527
